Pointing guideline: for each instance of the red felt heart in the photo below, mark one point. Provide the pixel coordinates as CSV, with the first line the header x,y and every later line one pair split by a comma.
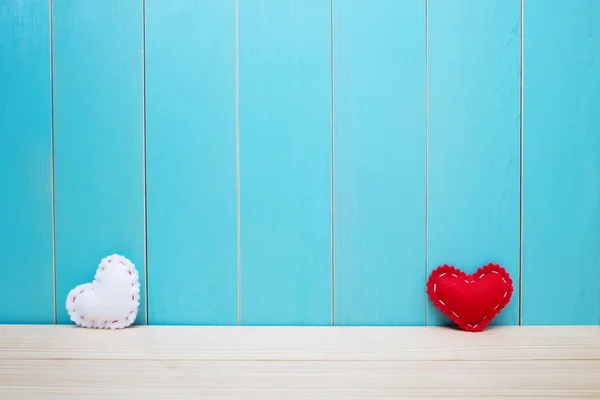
x,y
472,301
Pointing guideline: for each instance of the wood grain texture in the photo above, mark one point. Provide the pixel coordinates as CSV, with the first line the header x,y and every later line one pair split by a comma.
x,y
561,162
191,162
379,162
99,139
285,161
300,362
26,249
474,139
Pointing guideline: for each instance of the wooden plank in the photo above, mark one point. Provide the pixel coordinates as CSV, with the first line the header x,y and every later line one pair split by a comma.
x,y
301,380
191,162
26,249
379,162
502,343
474,139
300,362
285,161
561,163
99,139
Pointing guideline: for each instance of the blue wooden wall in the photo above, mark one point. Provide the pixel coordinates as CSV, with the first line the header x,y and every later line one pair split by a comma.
x,y
305,162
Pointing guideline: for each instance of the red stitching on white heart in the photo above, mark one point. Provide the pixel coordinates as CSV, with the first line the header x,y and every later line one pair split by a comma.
x,y
98,324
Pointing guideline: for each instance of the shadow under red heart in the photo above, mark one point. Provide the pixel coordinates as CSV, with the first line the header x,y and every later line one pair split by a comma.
x,y
471,301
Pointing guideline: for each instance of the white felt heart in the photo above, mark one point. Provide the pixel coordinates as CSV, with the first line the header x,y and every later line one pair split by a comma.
x,y
112,300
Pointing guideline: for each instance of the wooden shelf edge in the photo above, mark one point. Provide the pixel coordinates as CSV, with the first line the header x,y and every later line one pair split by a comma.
x,y
48,362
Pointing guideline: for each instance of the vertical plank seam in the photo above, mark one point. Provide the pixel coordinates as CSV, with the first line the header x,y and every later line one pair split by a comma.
x,y
237,162
144,157
426,153
521,173
54,298
332,167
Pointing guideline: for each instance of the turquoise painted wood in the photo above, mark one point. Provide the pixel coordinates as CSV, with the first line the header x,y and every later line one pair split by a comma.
x,y
26,249
301,162
285,161
99,139
561,163
191,162
473,186
379,167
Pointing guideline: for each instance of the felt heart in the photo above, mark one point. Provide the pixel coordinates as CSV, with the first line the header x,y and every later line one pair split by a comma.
x,y
471,301
111,301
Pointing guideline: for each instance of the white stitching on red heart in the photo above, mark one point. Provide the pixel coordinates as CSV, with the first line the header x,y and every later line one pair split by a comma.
x,y
485,318
456,315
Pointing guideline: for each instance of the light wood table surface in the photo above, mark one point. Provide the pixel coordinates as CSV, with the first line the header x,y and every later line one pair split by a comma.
x,y
62,362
